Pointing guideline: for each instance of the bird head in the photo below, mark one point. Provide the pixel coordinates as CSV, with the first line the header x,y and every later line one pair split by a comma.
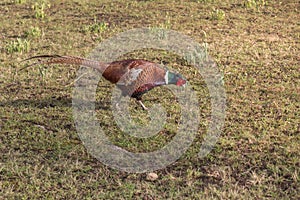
x,y
180,81
175,78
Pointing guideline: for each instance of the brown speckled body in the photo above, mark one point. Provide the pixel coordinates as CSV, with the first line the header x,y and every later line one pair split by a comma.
x,y
150,76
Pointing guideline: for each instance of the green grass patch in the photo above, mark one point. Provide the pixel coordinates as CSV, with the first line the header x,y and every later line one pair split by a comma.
x,y
33,32
255,45
217,14
256,4
96,27
19,1
39,8
19,45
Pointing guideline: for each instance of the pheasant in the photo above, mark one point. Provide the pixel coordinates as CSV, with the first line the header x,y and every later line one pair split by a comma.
x,y
134,77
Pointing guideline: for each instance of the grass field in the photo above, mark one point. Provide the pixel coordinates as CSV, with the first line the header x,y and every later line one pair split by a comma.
x,y
256,46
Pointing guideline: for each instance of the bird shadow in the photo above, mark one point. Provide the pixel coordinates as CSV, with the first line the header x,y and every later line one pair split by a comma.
x,y
53,102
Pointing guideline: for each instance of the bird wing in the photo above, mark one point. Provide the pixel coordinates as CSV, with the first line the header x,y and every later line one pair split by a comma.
x,y
137,76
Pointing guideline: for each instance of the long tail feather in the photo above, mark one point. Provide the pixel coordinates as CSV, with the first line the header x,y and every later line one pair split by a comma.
x,y
57,59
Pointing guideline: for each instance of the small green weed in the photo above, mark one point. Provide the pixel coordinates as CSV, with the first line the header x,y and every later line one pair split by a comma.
x,y
19,45
217,14
167,23
33,32
159,30
198,56
39,8
43,72
96,27
255,3
204,1
19,1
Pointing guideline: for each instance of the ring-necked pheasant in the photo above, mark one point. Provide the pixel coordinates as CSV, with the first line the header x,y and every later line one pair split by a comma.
x,y
134,77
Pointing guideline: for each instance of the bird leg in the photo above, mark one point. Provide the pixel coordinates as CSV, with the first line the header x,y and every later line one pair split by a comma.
x,y
141,103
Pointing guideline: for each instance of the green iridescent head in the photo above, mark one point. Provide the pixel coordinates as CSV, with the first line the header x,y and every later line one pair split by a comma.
x,y
174,78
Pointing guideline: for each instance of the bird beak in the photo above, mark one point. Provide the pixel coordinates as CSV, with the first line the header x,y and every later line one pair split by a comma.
x,y
185,83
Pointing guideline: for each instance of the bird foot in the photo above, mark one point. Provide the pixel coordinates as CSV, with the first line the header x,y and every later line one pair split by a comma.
x,y
143,106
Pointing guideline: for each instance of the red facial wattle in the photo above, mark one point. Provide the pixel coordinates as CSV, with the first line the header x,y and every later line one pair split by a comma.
x,y
180,82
